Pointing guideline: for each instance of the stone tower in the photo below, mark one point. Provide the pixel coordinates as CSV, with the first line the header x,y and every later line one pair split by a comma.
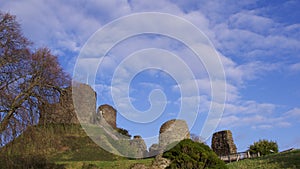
x,y
139,147
222,143
84,100
172,131
64,111
107,113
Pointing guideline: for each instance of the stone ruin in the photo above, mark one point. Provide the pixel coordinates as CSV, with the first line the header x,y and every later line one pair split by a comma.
x,y
170,132
173,131
154,150
63,112
82,99
222,143
108,114
139,146
84,103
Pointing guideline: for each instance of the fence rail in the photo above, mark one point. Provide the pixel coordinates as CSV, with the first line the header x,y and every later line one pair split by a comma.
x,y
238,156
245,155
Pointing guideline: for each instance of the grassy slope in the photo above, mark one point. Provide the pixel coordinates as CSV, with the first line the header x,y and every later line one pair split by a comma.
x,y
289,160
57,143
67,145
120,164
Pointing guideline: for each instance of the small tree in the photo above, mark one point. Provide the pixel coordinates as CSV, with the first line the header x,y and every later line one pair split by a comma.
x,y
264,147
190,154
123,132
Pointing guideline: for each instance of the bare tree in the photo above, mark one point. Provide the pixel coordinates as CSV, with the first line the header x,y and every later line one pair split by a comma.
x,y
27,79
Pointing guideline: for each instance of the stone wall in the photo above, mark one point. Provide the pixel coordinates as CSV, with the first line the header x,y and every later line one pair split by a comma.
x,y
173,131
222,143
139,146
64,111
154,150
84,99
61,112
108,114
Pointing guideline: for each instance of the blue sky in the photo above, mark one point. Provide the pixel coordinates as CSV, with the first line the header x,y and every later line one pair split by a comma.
x,y
258,43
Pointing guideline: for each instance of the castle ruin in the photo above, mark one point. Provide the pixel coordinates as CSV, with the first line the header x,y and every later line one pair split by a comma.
x,y
63,112
77,105
173,131
222,143
108,114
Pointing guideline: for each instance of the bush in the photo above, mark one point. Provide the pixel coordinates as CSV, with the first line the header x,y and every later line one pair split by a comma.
x,y
123,132
264,147
193,155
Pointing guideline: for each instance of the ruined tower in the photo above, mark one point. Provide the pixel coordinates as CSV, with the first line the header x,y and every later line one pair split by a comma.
x,y
108,114
73,102
222,143
172,131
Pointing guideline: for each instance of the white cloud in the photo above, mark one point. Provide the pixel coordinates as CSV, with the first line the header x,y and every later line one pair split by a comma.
x,y
150,85
295,67
248,34
149,6
250,21
293,113
258,116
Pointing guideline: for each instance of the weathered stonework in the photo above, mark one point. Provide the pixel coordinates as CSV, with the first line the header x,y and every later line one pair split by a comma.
x,y
84,99
222,143
160,162
139,147
154,150
63,112
173,131
108,114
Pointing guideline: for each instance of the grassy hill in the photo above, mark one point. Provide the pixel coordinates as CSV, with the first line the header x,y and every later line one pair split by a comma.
x,y
63,146
57,142
68,146
288,160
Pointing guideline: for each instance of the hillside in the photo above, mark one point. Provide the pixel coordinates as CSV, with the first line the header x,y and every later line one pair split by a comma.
x,y
63,142
288,160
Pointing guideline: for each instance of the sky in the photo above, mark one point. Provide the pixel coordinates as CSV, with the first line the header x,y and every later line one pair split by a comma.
x,y
256,43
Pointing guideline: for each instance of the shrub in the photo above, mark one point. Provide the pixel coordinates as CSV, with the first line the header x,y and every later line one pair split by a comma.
x,y
264,147
193,155
123,132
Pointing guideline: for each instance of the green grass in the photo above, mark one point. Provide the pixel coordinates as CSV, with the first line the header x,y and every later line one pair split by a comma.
x,y
69,145
288,160
120,164
65,145
58,143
